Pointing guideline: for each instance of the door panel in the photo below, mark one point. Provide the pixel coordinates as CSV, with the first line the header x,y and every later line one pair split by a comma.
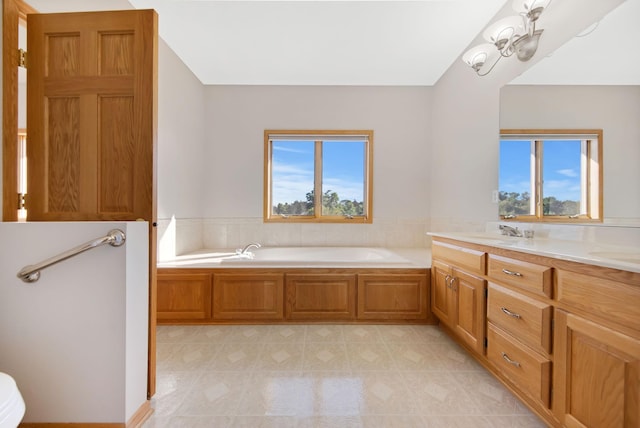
x,y
91,112
91,115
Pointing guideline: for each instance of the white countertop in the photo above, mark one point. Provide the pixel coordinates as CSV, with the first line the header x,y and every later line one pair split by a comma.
x,y
606,255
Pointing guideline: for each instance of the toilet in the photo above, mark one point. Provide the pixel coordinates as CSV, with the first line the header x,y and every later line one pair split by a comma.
x,y
11,402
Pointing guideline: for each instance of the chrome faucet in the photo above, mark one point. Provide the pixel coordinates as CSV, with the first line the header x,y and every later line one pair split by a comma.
x,y
510,231
245,251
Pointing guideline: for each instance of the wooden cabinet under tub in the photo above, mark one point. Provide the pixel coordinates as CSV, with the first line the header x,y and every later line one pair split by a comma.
x,y
281,295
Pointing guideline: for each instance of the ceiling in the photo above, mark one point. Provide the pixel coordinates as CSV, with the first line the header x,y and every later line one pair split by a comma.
x,y
340,42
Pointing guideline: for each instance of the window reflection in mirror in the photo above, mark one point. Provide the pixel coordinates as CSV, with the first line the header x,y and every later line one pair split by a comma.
x,y
550,175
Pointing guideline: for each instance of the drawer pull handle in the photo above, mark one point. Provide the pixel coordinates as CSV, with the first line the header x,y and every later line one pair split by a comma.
x,y
447,280
511,314
510,272
509,360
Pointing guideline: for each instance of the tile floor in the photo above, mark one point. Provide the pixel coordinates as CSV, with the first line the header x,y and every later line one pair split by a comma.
x,y
334,376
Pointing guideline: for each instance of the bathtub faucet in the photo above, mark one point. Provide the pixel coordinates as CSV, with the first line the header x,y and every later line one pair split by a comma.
x,y
245,251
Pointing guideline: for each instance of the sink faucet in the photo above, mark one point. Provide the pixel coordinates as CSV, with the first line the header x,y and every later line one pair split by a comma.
x,y
509,231
245,250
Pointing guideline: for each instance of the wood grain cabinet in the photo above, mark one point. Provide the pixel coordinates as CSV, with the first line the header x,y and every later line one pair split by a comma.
x,y
184,296
597,375
458,300
251,296
320,297
393,297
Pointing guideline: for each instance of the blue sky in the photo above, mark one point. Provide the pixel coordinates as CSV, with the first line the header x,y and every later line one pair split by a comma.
x,y
292,169
561,168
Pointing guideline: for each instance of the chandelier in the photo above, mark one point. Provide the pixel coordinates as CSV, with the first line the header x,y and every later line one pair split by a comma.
x,y
511,35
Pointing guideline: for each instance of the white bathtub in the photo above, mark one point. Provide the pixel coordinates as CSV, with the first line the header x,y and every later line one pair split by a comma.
x,y
370,257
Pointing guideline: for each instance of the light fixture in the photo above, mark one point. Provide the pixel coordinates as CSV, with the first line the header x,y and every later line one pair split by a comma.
x,y
513,34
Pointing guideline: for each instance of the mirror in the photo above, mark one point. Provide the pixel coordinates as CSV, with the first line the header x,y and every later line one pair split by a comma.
x,y
592,82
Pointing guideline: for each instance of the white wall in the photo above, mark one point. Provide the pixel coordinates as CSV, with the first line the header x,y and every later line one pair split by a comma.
x,y
181,137
75,341
614,109
236,117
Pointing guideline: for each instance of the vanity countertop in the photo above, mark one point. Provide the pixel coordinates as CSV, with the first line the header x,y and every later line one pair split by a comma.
x,y
606,255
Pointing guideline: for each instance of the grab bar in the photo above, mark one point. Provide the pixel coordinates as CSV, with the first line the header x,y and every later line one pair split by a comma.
x,y
31,273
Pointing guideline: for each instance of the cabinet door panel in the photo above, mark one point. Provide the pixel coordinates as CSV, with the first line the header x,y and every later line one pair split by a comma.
x,y
321,297
469,292
392,297
248,296
184,296
597,375
441,294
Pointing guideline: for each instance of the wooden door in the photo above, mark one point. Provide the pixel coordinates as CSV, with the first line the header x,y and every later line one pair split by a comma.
x,y
393,297
441,292
250,296
596,375
469,293
91,115
184,297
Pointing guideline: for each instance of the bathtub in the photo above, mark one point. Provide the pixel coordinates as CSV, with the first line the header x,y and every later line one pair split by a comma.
x,y
371,257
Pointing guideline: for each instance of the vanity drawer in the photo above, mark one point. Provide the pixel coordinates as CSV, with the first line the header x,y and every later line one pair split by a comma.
x,y
528,276
613,300
528,369
525,318
472,261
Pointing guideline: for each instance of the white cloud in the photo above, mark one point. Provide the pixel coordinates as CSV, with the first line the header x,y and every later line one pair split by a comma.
x,y
567,172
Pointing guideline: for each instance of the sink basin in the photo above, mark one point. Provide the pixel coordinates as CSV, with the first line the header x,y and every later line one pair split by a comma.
x,y
620,256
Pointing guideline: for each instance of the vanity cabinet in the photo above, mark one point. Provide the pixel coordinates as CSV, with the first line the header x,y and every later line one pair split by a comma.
x,y
597,374
564,336
457,296
597,350
183,296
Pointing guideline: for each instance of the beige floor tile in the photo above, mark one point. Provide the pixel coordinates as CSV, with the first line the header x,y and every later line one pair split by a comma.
x,y
398,333
236,356
361,333
190,357
415,356
430,333
325,356
487,393
280,356
369,356
331,422
265,422
336,393
384,393
334,376
454,357
215,393
171,390
392,421
278,394
439,393
324,333
286,334
247,334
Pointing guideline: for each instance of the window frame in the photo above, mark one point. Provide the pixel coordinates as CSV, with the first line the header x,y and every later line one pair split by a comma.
x,y
593,176
317,217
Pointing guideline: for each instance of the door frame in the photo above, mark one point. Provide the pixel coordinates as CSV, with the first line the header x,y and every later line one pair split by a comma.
x,y
12,12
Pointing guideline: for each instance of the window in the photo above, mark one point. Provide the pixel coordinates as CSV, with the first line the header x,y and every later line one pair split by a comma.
x,y
551,175
318,176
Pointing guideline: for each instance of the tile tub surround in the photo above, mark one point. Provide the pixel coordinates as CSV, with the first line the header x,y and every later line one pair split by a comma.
x,y
180,236
325,376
